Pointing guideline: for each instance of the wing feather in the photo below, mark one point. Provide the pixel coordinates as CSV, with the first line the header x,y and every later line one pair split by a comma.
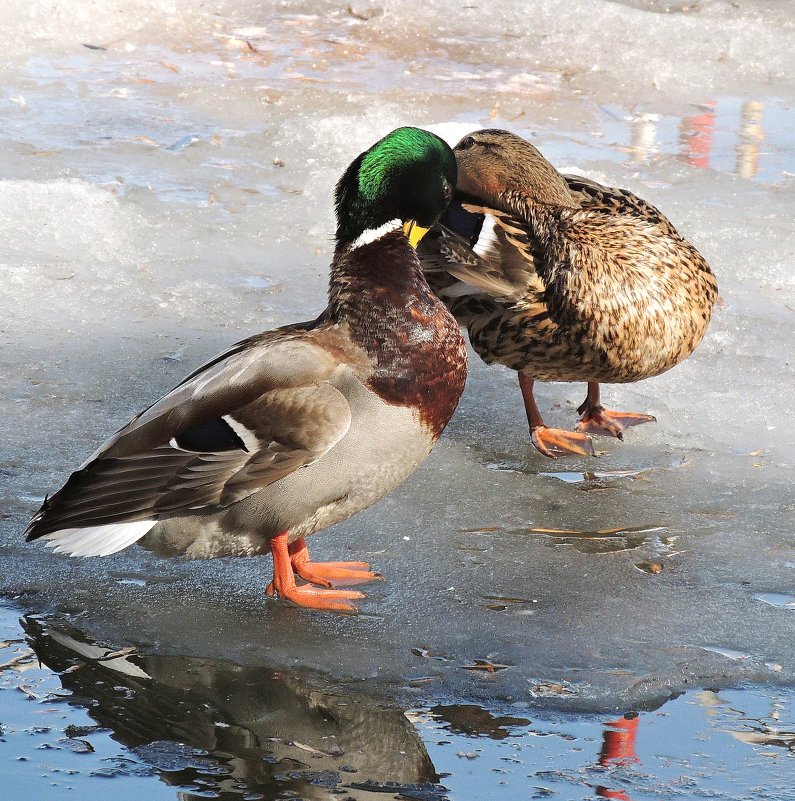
x,y
276,394
499,264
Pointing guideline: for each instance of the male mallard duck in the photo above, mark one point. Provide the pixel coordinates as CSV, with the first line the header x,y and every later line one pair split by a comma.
x,y
295,429
563,279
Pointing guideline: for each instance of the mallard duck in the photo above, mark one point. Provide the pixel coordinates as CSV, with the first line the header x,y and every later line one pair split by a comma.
x,y
563,279
298,428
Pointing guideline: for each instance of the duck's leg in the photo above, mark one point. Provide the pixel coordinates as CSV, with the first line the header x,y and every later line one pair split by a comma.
x,y
551,441
306,595
327,573
598,420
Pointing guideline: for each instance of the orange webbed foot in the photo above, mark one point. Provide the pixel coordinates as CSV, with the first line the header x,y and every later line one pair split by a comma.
x,y
602,422
292,559
326,574
555,442
552,442
597,420
315,598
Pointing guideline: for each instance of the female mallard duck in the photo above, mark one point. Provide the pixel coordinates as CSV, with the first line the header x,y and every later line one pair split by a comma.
x,y
563,279
295,429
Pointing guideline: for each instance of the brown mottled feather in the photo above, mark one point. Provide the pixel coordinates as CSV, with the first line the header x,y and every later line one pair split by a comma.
x,y
580,282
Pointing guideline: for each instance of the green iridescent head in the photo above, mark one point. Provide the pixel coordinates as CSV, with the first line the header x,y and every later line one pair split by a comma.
x,y
409,175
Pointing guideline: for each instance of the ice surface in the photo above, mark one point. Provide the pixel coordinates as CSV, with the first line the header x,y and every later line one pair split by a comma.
x,y
170,193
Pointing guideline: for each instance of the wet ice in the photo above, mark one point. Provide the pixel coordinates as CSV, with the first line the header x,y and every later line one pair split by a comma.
x,y
160,724
170,194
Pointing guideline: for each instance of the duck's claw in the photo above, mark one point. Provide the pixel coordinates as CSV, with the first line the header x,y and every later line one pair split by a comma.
x,y
326,574
602,422
315,598
554,442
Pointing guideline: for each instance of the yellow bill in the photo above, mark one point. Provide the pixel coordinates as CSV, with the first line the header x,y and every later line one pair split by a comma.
x,y
414,232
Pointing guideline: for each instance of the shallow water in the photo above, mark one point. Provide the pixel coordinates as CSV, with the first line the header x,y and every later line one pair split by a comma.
x,y
167,175
77,714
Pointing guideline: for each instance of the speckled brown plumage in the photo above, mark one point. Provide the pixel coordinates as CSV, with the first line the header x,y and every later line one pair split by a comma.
x,y
563,279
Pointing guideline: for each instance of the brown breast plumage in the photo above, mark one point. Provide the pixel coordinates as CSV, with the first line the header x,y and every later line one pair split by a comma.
x,y
417,352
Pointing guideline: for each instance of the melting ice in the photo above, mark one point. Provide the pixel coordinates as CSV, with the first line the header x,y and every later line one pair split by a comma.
x,y
167,173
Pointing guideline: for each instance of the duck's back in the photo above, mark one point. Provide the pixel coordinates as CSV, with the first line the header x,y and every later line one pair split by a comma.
x,y
605,291
638,292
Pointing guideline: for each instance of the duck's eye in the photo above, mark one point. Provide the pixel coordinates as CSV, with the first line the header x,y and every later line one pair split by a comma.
x,y
467,143
448,190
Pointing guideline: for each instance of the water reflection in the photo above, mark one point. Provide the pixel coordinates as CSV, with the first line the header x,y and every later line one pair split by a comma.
x,y
751,137
757,728
723,134
618,748
210,728
643,134
622,538
474,721
213,727
754,729
697,135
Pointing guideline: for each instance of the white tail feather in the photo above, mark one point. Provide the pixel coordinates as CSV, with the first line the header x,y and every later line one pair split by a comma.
x,y
487,239
97,540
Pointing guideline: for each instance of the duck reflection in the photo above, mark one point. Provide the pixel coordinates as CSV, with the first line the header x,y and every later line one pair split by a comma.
x,y
233,731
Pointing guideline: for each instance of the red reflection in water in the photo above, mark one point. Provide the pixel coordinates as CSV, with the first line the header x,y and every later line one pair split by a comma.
x,y
696,136
618,748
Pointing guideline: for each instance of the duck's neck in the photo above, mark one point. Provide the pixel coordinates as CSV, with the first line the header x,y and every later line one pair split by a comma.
x,y
417,352
541,216
380,268
544,221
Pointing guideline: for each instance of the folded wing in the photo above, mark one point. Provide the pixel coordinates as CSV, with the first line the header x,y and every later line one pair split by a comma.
x,y
248,418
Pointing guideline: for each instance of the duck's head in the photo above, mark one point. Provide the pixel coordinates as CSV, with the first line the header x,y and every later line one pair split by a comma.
x,y
407,177
492,162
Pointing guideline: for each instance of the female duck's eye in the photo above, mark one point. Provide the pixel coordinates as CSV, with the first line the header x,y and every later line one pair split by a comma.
x,y
468,142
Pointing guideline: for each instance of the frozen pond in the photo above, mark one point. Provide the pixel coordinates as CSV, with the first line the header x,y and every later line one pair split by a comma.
x,y
166,190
